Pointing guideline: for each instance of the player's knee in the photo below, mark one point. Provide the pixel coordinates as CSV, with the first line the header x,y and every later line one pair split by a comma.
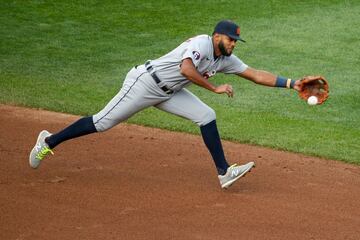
x,y
208,116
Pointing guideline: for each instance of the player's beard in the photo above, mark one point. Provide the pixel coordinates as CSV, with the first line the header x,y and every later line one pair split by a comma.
x,y
223,50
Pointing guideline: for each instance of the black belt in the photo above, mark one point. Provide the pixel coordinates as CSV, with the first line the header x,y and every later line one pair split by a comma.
x,y
150,69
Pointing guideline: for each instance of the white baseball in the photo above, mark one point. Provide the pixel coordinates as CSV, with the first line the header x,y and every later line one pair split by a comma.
x,y
312,100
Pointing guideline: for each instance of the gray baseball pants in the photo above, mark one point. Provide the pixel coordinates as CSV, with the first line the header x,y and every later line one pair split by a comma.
x,y
140,91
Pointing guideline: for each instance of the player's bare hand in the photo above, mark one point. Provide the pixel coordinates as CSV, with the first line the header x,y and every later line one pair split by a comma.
x,y
225,88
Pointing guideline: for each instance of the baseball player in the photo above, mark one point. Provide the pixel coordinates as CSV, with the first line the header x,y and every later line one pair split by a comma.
x,y
161,83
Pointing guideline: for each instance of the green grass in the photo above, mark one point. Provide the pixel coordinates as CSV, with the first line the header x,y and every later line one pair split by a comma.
x,y
72,56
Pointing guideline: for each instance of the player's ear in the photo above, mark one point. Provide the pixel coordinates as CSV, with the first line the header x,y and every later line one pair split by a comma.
x,y
216,37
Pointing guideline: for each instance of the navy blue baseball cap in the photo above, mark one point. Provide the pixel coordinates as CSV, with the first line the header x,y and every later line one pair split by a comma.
x,y
229,29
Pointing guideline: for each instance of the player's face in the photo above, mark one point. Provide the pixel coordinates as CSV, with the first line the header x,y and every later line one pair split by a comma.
x,y
226,45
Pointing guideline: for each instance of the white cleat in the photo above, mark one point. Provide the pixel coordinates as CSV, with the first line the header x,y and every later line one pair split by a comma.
x,y
40,150
233,173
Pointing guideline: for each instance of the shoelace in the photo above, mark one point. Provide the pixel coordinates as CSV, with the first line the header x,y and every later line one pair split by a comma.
x,y
44,151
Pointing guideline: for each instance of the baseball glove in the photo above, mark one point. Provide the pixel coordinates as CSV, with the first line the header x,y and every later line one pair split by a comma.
x,y
314,86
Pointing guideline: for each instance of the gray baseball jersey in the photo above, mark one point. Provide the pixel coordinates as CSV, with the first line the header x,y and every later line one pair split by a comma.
x,y
200,49
140,90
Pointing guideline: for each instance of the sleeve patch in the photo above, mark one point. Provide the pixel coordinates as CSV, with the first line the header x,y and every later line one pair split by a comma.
x,y
196,55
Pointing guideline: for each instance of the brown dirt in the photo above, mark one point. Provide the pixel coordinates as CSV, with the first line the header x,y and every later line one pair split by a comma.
x,y
135,182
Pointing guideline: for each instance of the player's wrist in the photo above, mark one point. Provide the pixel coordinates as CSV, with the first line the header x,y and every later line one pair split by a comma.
x,y
284,82
214,88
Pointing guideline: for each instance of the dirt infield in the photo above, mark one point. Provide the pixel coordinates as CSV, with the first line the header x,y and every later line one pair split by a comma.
x,y
141,183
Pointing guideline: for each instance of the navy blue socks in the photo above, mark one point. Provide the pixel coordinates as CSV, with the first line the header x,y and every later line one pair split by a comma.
x,y
212,141
86,126
79,128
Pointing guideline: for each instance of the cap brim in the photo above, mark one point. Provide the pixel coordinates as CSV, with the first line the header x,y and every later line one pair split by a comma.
x,y
236,38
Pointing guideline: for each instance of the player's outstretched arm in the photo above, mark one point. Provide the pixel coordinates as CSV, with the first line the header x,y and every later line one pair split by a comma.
x,y
266,78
